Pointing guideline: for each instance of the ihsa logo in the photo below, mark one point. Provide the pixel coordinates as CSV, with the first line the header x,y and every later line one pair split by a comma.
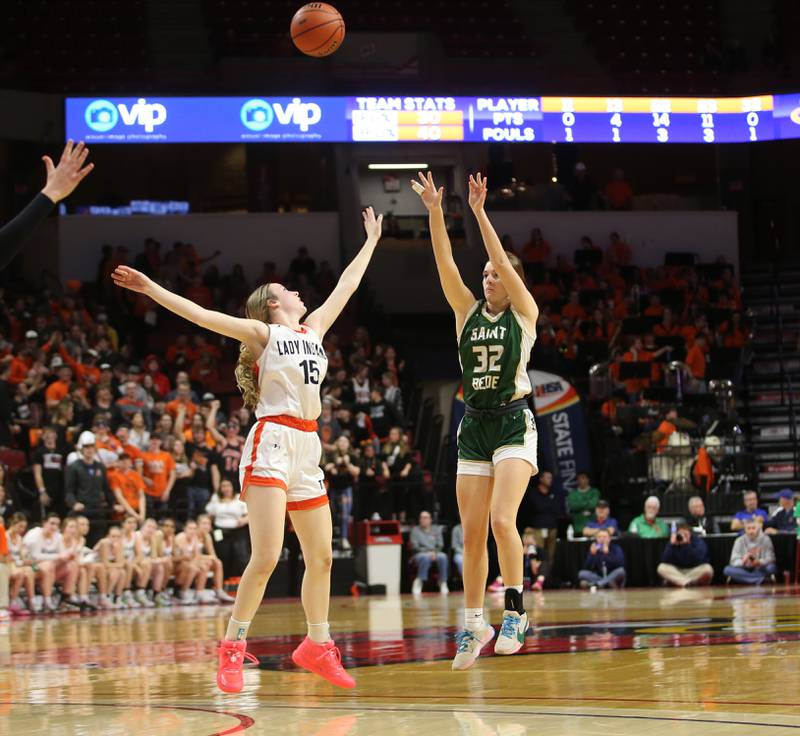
x,y
257,114
102,115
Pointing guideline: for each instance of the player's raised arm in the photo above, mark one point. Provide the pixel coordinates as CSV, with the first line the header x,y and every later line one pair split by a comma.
x,y
521,299
321,319
458,296
253,333
61,181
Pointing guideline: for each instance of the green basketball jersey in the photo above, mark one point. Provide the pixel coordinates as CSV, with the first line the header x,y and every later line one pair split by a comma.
x,y
494,351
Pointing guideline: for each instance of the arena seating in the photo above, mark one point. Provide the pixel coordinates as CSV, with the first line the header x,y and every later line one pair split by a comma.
x,y
483,28
102,46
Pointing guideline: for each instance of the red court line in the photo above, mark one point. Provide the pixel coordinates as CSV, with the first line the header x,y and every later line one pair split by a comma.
x,y
600,716
504,698
244,721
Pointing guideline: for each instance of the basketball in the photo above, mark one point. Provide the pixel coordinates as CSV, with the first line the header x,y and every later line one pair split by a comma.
x,y
317,29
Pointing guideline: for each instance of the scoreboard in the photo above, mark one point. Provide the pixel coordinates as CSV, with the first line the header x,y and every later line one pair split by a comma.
x,y
401,119
563,119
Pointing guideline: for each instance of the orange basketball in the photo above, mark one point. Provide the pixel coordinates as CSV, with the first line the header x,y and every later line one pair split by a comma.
x,y
317,29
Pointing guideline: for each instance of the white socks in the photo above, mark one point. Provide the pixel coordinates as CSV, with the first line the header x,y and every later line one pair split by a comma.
x,y
473,619
237,630
518,588
319,633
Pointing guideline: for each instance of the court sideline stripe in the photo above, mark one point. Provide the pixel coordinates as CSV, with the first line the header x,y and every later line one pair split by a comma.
x,y
682,719
599,699
244,721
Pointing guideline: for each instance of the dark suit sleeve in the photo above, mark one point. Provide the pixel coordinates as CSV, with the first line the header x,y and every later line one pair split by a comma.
x,y
111,499
16,232
70,487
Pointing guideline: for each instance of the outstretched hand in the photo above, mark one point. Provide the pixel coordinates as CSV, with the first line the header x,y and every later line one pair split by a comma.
x,y
477,191
62,179
373,225
130,278
431,196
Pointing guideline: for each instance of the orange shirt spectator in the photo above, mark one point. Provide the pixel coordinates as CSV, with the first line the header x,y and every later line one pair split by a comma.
x,y
18,370
688,333
188,404
158,466
696,359
129,483
634,355
573,310
545,293
123,437
537,249
664,430
619,194
133,451
208,439
109,442
58,390
88,373
183,399
181,349
567,339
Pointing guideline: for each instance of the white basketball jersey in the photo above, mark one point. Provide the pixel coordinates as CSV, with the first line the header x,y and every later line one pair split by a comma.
x,y
290,371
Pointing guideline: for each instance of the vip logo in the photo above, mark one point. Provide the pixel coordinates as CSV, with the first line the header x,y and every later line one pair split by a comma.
x,y
258,114
102,115
146,115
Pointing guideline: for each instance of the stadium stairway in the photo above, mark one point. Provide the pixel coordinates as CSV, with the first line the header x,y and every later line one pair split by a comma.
x,y
771,396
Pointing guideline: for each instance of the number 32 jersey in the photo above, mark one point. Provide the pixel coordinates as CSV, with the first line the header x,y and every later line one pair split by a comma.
x,y
290,371
494,351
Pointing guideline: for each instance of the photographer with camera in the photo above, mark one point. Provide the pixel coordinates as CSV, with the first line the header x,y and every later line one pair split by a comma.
x,y
605,564
684,561
752,557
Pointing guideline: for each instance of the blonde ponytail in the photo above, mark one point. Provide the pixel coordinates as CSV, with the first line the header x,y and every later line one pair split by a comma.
x,y
246,377
257,308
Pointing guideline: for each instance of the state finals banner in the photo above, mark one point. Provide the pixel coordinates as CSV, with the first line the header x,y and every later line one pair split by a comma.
x,y
563,438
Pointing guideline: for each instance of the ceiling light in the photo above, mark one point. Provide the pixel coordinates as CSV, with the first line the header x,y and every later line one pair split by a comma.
x,y
396,167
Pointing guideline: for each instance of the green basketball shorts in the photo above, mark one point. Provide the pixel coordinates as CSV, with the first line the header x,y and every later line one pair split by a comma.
x,y
483,442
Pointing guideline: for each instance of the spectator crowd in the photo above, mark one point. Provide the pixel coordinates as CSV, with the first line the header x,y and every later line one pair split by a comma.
x,y
122,431
121,434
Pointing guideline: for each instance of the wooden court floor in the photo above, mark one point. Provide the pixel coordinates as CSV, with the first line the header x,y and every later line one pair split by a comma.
x,y
649,662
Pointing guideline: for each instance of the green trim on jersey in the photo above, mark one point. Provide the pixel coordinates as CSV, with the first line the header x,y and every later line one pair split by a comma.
x,y
494,351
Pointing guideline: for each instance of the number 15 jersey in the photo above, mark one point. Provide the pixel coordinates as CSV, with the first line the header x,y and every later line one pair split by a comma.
x,y
494,350
290,371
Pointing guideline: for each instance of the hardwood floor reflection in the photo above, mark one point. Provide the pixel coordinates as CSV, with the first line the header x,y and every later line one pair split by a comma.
x,y
654,661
